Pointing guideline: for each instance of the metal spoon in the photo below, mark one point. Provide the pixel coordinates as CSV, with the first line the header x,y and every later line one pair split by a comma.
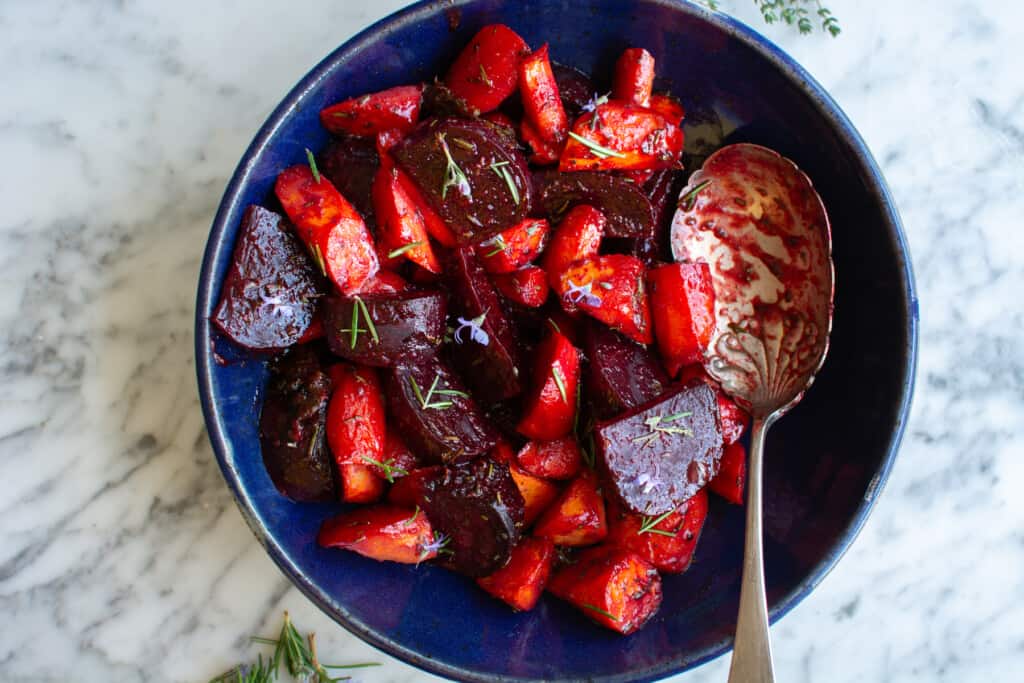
x,y
758,223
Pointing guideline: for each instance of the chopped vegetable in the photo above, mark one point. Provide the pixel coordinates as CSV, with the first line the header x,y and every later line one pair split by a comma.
x,y
634,77
577,518
683,306
610,289
624,137
731,479
541,99
667,540
550,408
381,532
521,582
557,459
515,247
486,71
393,109
526,287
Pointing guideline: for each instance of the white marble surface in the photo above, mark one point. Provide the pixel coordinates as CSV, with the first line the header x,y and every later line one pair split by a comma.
x,y
122,555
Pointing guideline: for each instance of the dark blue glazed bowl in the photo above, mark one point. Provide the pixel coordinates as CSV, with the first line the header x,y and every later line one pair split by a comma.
x,y
826,462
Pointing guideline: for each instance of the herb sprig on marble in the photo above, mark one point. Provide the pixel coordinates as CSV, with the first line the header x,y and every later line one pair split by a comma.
x,y
296,653
796,13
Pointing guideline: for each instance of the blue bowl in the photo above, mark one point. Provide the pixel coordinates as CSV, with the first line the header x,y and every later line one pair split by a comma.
x,y
826,461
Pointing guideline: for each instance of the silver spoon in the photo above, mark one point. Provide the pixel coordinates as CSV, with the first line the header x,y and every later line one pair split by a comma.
x,y
758,223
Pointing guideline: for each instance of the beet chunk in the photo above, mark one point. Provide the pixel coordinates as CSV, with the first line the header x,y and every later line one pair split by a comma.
x,y
350,163
478,507
292,428
489,362
484,189
660,454
627,208
574,88
269,294
444,425
398,319
621,374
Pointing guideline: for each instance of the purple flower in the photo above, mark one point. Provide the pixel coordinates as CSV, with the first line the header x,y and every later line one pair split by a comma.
x,y
594,102
582,294
476,331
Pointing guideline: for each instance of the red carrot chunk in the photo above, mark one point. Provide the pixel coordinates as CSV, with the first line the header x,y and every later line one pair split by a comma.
x,y
521,582
355,430
515,247
433,222
330,226
360,484
668,540
385,282
396,459
612,587
550,408
577,237
731,479
382,532
541,101
391,109
623,137
669,107
578,516
402,230
610,289
487,70
558,459
734,419
407,490
538,493
634,77
683,304
526,287
542,153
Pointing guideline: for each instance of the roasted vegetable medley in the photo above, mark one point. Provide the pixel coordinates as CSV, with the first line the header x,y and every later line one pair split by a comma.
x,y
479,335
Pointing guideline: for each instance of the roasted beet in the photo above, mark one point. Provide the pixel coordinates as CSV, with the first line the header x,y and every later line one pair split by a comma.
x,y
350,163
432,411
292,427
269,294
398,320
485,350
621,374
439,100
471,173
478,508
662,189
626,207
574,88
660,454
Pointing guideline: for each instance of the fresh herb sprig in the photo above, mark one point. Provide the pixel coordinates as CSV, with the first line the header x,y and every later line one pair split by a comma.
x,y
359,307
602,612
661,424
795,13
388,467
501,169
296,653
425,400
312,166
687,201
600,151
648,525
453,174
394,253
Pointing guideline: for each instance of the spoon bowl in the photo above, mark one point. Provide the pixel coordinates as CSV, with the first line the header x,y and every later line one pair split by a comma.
x,y
755,218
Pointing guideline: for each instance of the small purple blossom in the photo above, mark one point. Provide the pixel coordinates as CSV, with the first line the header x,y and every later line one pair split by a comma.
x,y
582,294
594,102
476,331
437,545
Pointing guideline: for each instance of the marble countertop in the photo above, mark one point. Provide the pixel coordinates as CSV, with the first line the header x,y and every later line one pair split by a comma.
x,y
122,554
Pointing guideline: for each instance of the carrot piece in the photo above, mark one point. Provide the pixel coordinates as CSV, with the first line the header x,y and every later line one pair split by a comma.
x,y
527,286
551,407
669,107
486,71
330,226
401,228
537,492
542,153
396,460
359,483
500,118
521,582
435,225
578,516
558,459
634,77
515,247
618,136
615,588
381,532
731,479
355,430
541,100
386,139
666,541
394,108
610,289
406,491
734,419
683,304
577,237
385,282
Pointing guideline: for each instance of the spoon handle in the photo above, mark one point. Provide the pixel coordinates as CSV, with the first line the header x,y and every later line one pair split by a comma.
x,y
752,652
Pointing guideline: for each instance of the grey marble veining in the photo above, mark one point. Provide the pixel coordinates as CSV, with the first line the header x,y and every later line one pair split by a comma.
x,y
122,555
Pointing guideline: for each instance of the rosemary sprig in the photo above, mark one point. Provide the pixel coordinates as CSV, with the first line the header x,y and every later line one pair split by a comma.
x,y
318,256
453,175
600,151
659,424
354,330
499,244
687,201
404,248
425,401
312,166
389,469
556,372
592,608
648,524
501,169
484,78
297,653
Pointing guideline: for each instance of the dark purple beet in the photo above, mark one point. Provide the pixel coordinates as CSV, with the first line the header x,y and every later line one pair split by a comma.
x,y
476,146
269,294
574,88
350,163
662,189
478,507
491,369
621,374
292,432
442,433
626,207
398,319
439,100
652,468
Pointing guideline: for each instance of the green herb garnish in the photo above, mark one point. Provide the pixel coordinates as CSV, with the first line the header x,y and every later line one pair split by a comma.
x,y
600,151
390,470
312,166
792,13
600,611
425,401
647,525
499,246
404,248
687,201
484,78
453,175
659,424
556,372
501,169
318,256
369,320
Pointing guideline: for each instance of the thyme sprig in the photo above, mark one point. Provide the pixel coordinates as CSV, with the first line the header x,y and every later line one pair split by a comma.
x,y
297,654
600,151
661,424
792,13
453,175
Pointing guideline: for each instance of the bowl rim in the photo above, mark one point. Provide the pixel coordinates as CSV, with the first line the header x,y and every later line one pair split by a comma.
x,y
207,297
